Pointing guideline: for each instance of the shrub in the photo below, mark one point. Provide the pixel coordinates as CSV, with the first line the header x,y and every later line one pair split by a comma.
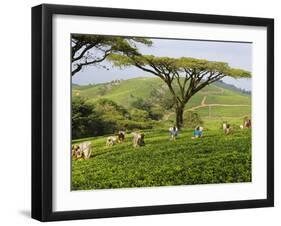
x,y
139,115
85,120
141,104
192,119
155,112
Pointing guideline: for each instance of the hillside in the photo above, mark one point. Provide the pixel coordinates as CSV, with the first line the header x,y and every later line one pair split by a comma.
x,y
215,100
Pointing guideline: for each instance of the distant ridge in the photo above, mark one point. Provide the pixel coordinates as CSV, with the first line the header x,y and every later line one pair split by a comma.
x,y
232,87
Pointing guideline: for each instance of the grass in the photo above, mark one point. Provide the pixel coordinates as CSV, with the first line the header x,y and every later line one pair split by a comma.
x,y
216,158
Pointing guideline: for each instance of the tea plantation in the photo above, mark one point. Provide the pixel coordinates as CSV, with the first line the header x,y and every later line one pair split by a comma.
x,y
215,158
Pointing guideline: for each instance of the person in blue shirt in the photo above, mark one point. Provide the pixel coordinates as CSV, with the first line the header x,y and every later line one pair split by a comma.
x,y
198,132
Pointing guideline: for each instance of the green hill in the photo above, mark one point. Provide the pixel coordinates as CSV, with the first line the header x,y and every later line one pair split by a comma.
x,y
214,101
122,93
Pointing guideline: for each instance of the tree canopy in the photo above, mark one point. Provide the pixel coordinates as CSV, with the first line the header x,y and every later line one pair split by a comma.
x,y
188,75
93,49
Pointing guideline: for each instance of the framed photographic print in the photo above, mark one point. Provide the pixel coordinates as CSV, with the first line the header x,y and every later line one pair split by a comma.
x,y
146,112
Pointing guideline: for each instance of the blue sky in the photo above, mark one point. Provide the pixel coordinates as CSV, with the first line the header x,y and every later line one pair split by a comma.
x,y
238,55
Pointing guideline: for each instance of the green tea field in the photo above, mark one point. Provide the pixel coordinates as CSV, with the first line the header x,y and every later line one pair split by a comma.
x,y
215,158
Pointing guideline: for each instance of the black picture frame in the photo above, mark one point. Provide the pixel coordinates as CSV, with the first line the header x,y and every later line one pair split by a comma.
x,y
42,111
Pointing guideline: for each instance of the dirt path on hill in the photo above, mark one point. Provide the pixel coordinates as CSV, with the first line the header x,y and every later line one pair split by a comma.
x,y
217,105
203,100
203,104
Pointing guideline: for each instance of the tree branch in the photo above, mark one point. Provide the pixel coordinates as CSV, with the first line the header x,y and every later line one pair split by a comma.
x,y
80,65
84,51
76,48
146,69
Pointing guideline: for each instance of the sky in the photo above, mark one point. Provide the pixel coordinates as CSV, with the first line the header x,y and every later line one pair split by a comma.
x,y
237,55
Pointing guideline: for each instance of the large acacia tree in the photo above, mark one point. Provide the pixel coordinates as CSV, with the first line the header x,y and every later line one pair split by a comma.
x,y
183,76
93,49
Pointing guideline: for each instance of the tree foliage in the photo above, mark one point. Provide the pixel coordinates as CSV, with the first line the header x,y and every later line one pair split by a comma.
x,y
93,49
183,76
86,122
154,112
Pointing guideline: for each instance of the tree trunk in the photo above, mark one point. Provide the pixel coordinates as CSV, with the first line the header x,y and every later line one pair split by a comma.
x,y
179,116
